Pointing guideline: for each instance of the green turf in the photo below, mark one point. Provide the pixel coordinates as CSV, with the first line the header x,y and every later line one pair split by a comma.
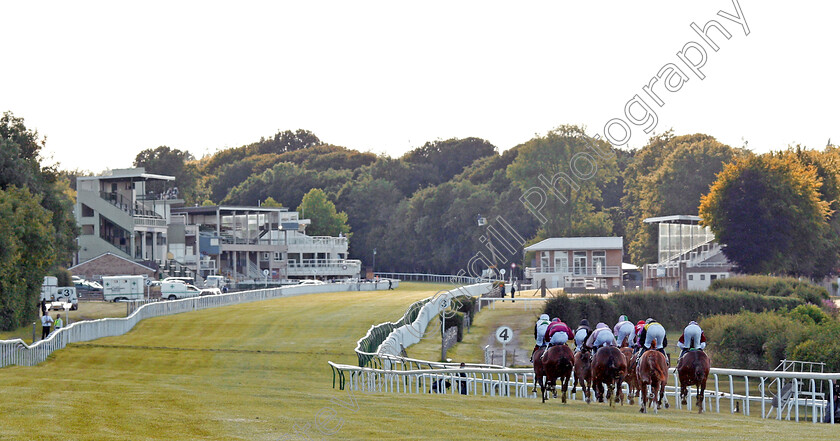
x,y
258,372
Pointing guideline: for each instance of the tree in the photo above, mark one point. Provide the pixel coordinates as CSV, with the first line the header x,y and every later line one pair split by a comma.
x,y
172,162
27,250
667,177
570,206
325,220
450,157
370,205
270,202
767,212
20,166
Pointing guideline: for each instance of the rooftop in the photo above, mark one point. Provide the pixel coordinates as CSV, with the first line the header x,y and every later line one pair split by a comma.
x,y
578,243
128,173
674,219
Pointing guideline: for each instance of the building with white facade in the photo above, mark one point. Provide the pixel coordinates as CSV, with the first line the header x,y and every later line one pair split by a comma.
x,y
689,255
576,263
118,214
256,244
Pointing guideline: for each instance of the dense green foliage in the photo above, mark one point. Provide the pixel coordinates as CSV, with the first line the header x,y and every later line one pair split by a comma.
x,y
26,252
773,286
673,309
325,220
751,340
777,198
37,228
666,177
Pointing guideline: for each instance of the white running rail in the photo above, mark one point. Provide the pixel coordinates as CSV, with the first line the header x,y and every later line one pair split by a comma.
x,y
16,352
407,334
753,393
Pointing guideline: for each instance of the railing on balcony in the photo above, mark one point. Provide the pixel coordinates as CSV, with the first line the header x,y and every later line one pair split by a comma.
x,y
587,271
138,211
335,264
316,240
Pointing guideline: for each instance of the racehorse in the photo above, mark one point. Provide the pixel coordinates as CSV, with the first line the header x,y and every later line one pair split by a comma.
x,y
693,369
558,362
608,367
539,370
583,371
652,372
630,375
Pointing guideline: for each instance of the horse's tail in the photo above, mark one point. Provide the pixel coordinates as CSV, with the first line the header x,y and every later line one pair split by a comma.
x,y
653,344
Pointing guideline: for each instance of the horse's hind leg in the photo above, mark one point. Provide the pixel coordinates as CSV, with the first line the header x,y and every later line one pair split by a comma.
x,y
643,397
683,394
701,396
564,390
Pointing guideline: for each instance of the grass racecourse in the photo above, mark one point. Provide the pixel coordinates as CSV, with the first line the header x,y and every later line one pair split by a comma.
x,y
259,371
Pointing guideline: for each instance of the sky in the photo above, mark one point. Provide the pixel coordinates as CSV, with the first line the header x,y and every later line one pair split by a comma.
x,y
106,80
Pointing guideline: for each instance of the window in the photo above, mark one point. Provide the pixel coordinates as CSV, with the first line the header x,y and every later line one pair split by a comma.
x,y
561,262
713,277
702,277
691,277
579,262
278,256
544,263
723,276
599,262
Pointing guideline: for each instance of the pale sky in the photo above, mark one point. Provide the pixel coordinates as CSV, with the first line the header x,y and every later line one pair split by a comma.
x,y
105,80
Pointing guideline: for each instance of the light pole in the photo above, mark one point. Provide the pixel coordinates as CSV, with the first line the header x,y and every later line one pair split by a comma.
x,y
482,221
373,267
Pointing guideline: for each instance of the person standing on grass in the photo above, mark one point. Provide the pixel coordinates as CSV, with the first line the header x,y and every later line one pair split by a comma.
x,y
59,323
46,324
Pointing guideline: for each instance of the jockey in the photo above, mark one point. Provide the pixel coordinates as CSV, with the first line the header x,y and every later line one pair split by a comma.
x,y
539,333
558,333
692,338
640,326
601,336
653,331
624,330
581,334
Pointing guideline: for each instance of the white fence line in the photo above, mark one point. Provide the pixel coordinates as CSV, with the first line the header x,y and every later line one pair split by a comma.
x,y
423,277
518,382
16,352
408,334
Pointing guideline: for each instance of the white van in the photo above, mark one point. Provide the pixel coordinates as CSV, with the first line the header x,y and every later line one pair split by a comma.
x,y
216,282
116,288
178,290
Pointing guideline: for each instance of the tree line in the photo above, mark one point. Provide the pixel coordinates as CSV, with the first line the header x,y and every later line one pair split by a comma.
x,y
774,213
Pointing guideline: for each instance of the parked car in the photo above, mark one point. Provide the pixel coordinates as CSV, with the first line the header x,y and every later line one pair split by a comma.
x,y
187,280
311,282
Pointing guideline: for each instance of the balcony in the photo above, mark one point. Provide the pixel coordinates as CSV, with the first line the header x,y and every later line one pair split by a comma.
x,y
588,271
323,267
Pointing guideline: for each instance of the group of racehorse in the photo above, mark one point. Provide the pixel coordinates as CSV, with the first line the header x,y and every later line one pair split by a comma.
x,y
611,366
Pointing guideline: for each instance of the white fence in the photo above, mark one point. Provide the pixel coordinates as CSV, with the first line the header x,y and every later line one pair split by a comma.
x,y
16,352
437,278
407,334
803,401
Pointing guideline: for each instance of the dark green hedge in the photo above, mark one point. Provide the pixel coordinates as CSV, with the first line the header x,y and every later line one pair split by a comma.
x,y
750,340
674,310
455,319
773,286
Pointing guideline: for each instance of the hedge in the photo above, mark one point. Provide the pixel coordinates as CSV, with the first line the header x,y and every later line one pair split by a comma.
x,y
750,340
673,309
773,286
